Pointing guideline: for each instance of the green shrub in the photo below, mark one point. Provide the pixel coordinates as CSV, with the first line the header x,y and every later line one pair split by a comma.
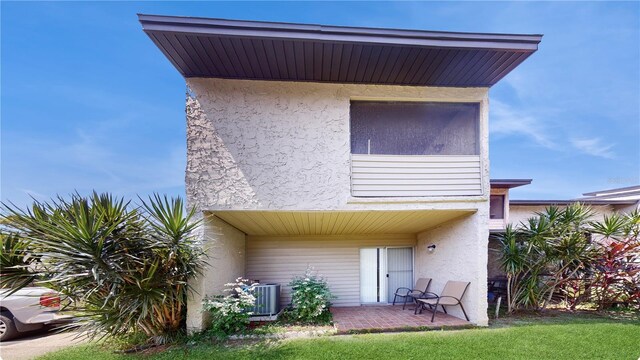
x,y
560,256
310,298
127,267
230,313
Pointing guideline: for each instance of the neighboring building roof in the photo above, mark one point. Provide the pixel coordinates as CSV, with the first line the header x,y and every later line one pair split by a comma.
x,y
202,47
625,193
568,202
508,183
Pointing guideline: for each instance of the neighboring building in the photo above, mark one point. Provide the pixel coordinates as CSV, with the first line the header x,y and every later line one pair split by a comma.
x,y
505,211
499,207
352,150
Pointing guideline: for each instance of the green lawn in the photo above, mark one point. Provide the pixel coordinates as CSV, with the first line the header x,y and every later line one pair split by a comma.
x,y
555,338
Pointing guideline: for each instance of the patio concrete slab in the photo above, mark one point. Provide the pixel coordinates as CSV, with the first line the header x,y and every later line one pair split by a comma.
x,y
388,318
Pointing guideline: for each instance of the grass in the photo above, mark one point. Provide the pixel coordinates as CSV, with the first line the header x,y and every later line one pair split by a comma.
x,y
556,336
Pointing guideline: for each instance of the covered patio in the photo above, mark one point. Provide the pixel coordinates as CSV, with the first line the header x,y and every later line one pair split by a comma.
x,y
386,318
363,255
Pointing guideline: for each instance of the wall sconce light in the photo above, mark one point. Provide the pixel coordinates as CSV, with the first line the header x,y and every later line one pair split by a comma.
x,y
431,247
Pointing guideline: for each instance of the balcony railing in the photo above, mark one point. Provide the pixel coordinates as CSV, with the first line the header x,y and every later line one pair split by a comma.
x,y
415,175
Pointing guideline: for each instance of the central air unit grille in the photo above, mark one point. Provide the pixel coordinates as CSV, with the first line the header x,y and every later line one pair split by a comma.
x,y
267,299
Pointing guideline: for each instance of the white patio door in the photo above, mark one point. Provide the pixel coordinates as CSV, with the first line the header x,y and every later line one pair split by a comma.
x,y
382,271
399,270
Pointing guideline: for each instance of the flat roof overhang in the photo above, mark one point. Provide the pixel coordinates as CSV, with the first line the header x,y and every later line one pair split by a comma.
x,y
269,223
624,191
508,183
233,49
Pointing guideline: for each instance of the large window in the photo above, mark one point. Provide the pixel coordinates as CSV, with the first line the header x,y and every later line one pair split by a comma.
x,y
414,128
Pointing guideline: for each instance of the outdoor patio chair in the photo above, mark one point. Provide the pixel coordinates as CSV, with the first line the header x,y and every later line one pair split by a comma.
x,y
411,294
451,296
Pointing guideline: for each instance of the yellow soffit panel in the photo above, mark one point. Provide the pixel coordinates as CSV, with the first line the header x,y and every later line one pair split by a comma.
x,y
262,223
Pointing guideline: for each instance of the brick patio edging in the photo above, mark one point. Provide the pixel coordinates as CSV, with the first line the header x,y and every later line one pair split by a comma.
x,y
286,335
404,329
318,333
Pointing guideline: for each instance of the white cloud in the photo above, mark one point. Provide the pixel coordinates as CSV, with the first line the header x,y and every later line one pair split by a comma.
x,y
506,120
594,146
96,156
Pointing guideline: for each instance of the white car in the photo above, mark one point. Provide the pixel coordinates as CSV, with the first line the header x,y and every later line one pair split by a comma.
x,y
27,309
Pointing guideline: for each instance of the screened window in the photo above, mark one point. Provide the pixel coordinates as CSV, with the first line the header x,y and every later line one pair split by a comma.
x,y
496,207
414,128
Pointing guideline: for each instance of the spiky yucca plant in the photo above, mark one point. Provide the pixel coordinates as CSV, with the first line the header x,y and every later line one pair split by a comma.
x,y
545,253
127,267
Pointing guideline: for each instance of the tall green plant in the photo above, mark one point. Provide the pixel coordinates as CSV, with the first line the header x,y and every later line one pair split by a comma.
x,y
568,251
128,267
546,253
617,276
15,260
514,261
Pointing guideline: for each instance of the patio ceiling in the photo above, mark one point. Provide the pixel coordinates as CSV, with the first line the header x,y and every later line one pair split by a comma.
x,y
203,47
261,223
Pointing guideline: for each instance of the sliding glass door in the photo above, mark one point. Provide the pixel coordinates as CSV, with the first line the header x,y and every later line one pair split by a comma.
x,y
382,271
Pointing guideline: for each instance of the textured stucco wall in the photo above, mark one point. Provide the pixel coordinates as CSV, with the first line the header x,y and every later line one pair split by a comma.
x,y
286,145
520,213
225,248
460,255
625,209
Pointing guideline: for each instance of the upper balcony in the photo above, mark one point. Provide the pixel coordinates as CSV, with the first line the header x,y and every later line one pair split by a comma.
x,y
415,175
415,149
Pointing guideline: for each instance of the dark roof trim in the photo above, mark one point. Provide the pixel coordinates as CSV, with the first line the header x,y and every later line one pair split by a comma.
x,y
633,196
255,50
508,183
291,31
618,191
569,202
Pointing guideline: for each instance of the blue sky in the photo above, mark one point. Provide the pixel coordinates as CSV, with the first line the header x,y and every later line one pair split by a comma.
x,y
88,102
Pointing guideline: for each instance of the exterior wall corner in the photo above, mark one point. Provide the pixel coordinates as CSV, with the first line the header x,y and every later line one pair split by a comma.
x,y
224,246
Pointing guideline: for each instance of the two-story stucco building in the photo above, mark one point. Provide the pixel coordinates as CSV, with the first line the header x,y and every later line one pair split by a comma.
x,y
348,149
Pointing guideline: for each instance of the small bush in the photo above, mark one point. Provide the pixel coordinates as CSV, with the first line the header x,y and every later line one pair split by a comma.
x,y
310,298
126,267
230,313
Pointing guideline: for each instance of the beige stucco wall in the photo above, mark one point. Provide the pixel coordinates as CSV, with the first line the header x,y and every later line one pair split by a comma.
x,y
626,209
286,145
460,255
225,248
520,213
